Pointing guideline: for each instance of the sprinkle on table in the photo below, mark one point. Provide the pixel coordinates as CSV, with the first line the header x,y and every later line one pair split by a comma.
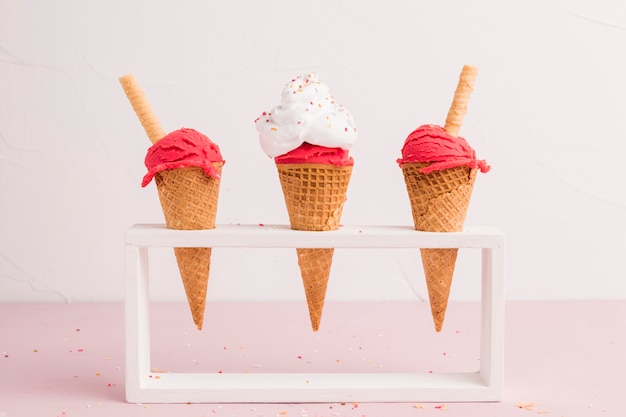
x,y
526,406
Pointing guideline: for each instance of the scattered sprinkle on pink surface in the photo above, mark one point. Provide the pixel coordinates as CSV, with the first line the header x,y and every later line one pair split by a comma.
x,y
526,406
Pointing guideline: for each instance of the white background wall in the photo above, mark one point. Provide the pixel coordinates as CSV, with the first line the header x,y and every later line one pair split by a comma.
x,y
548,112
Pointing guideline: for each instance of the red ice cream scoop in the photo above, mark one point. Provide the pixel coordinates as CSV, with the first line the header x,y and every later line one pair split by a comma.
x,y
431,143
316,154
180,149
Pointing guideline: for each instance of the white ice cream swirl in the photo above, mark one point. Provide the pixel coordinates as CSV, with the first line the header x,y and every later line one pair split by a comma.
x,y
307,113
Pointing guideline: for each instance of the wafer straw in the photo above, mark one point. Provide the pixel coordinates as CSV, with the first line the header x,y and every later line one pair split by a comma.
x,y
464,88
142,108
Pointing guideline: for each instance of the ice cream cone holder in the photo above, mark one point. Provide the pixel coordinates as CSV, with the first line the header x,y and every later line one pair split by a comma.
x,y
183,387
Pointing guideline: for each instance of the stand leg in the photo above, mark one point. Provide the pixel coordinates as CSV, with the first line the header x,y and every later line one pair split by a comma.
x,y
137,320
492,320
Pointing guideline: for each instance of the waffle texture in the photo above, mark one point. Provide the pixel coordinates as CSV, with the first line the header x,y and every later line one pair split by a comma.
x,y
189,201
314,195
439,203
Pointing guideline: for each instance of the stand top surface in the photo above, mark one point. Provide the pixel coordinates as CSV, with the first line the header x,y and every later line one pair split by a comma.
x,y
282,236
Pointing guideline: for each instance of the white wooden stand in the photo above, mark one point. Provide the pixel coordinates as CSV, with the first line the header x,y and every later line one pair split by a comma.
x,y
484,385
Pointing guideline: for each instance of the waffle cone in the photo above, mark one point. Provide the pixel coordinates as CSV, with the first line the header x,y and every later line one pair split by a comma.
x,y
189,201
439,203
314,195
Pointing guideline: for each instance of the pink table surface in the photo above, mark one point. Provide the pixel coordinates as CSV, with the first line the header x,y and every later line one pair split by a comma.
x,y
561,358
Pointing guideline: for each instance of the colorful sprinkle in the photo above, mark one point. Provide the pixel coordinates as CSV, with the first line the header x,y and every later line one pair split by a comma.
x,y
526,406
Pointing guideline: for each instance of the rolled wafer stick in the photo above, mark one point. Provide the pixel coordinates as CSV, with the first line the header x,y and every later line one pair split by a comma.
x,y
456,114
142,108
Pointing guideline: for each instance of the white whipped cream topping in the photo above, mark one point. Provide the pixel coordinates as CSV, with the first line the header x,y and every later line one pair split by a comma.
x,y
307,113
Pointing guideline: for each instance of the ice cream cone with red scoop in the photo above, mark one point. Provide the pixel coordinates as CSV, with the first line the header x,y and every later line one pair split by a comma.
x,y
439,169
186,167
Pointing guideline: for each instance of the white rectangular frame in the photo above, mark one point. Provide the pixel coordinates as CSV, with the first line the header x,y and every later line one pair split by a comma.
x,y
484,385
